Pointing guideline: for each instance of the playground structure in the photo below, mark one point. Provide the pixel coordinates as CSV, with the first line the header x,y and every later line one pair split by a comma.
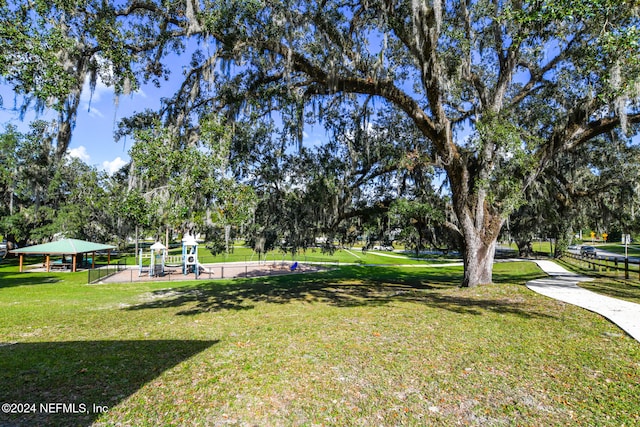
x,y
159,259
222,270
190,256
187,265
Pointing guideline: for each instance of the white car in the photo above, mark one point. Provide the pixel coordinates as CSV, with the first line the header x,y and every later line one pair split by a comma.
x,y
382,248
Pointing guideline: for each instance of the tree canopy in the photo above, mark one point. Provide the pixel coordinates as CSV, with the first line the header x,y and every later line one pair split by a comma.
x,y
488,91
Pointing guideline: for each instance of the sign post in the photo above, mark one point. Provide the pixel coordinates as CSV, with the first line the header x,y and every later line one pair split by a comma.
x,y
626,238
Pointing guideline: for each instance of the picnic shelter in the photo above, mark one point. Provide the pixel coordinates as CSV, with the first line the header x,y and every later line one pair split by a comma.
x,y
64,247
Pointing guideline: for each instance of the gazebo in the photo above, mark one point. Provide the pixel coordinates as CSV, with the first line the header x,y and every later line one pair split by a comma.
x,y
72,247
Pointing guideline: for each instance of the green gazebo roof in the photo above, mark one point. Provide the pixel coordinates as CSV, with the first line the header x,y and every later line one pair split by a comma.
x,y
64,247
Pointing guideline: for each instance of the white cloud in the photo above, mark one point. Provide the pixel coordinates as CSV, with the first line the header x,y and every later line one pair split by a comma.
x,y
114,165
93,111
80,153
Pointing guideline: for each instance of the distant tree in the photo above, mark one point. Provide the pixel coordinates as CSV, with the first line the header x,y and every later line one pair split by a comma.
x,y
50,49
183,181
337,191
10,140
45,197
31,208
595,185
84,199
422,224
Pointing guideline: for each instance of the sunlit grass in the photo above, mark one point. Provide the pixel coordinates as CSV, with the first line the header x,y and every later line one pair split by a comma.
x,y
352,346
340,256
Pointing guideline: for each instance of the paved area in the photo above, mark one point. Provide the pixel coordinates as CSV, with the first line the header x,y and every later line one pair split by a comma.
x,y
563,285
212,271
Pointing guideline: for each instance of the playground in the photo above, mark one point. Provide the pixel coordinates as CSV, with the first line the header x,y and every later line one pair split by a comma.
x,y
213,271
157,265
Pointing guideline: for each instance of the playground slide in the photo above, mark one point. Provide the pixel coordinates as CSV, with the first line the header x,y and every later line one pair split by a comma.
x,y
203,269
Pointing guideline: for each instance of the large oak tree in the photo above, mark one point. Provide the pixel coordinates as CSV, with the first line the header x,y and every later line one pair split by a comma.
x,y
496,88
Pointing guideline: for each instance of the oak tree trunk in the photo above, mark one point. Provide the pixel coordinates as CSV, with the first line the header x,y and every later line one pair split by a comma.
x,y
479,224
478,256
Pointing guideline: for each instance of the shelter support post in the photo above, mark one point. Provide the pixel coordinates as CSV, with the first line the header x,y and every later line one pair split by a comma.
x,y
73,265
48,263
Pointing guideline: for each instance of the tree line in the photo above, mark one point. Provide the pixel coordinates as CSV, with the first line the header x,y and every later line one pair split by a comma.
x,y
293,201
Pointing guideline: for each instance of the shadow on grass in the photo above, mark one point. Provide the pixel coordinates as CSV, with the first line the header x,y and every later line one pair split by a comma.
x,y
86,376
345,287
8,280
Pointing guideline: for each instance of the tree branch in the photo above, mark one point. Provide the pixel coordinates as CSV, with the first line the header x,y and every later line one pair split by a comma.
x,y
330,83
599,127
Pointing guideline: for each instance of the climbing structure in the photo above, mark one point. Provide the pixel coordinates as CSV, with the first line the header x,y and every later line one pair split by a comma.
x,y
190,255
158,257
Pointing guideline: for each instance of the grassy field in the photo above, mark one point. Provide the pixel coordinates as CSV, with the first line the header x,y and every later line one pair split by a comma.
x,y
341,256
352,346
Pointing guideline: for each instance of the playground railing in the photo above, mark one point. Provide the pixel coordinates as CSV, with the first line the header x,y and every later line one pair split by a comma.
x,y
99,273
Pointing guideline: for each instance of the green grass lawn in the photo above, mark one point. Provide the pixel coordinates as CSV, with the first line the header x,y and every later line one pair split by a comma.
x,y
341,256
537,246
352,346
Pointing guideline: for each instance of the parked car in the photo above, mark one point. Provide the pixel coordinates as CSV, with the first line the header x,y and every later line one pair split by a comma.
x,y
588,251
383,248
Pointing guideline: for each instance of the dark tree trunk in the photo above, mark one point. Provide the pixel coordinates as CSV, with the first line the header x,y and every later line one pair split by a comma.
x,y
524,248
10,246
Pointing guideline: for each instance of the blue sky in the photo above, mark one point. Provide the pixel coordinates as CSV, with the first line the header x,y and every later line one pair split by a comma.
x,y
92,139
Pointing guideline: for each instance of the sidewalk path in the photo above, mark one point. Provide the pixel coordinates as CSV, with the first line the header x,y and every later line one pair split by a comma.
x,y
562,285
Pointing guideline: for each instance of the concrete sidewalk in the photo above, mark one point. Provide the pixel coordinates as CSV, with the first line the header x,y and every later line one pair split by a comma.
x,y
562,285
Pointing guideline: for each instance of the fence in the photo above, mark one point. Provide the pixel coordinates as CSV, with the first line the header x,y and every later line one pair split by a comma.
x,y
607,264
95,274
130,274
